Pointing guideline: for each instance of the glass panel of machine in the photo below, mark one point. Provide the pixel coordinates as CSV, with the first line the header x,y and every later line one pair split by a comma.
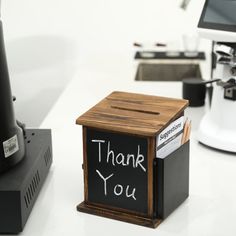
x,y
221,12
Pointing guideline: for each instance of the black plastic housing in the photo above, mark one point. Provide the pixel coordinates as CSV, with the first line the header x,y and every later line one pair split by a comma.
x,y
20,186
8,125
194,90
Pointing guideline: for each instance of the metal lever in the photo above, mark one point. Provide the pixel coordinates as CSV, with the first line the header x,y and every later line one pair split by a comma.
x,y
229,84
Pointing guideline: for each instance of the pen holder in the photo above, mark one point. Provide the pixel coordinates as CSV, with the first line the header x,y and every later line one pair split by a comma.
x,y
123,179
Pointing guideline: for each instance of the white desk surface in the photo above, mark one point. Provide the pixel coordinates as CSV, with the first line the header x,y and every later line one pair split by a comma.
x,y
209,210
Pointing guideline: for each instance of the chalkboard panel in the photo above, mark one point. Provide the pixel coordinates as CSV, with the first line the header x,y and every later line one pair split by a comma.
x,y
117,170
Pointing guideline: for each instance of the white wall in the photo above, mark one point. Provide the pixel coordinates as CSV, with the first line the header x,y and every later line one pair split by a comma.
x,y
48,41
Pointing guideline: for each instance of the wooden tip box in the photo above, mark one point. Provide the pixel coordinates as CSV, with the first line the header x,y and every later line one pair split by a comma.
x,y
123,179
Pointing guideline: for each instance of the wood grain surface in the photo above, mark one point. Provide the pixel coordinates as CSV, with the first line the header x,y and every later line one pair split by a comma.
x,y
116,215
132,113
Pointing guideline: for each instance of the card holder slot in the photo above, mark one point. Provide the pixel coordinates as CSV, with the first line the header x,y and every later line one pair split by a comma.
x,y
171,181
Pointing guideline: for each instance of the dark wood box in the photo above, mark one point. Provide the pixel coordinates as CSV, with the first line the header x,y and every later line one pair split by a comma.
x,y
123,179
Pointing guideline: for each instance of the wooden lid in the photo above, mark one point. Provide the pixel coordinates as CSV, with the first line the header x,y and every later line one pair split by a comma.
x,y
133,113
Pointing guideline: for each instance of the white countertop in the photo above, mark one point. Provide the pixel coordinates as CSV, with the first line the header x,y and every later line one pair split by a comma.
x,y
210,208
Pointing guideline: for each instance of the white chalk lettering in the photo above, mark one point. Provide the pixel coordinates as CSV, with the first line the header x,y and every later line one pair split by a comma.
x,y
140,159
105,181
110,153
129,156
120,190
99,148
132,194
122,159
136,160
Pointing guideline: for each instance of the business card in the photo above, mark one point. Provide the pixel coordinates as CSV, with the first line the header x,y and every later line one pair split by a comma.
x,y
174,128
170,146
172,137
